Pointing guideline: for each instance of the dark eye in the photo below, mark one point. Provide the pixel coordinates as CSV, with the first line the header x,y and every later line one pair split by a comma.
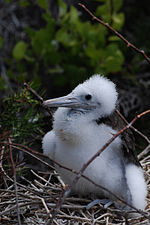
x,y
88,97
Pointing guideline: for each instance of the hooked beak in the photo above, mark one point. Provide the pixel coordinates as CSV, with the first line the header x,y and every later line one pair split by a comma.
x,y
67,101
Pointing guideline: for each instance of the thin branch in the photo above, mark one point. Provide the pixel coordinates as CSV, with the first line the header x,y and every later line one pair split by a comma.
x,y
75,180
1,165
38,97
133,128
58,164
29,153
15,182
116,33
64,167
144,152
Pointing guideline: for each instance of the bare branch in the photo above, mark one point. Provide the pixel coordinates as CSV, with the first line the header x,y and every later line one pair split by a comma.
x,y
133,128
38,97
144,152
15,182
79,174
30,152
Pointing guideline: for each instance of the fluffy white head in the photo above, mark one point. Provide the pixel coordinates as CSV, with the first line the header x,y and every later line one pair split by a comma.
x,y
103,93
95,98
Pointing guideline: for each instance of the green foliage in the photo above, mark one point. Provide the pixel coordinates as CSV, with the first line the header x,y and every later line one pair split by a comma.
x,y
2,83
42,3
19,50
109,13
19,117
24,3
114,58
71,49
118,21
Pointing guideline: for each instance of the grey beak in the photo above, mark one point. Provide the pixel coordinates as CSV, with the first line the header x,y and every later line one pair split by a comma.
x,y
66,101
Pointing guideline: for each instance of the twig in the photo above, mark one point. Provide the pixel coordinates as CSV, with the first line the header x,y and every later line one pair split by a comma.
x,y
15,182
75,180
116,33
75,218
70,211
67,168
1,166
38,97
29,152
133,128
144,152
79,174
60,180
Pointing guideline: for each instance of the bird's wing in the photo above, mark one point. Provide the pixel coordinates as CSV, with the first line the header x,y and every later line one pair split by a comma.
x,y
117,123
49,144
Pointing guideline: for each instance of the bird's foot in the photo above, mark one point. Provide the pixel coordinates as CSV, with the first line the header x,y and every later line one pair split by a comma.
x,y
105,202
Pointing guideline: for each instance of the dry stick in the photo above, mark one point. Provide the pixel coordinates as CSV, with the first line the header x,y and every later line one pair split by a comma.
x,y
73,171
38,97
29,153
116,33
144,152
147,149
20,149
75,180
1,166
133,128
60,165
64,167
15,182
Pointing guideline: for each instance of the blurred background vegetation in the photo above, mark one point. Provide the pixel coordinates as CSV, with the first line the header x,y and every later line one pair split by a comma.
x,y
54,45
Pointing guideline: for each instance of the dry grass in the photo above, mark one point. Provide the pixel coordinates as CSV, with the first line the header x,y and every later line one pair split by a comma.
x,y
37,199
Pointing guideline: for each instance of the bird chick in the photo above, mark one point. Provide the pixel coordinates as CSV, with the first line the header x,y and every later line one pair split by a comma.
x,y
84,121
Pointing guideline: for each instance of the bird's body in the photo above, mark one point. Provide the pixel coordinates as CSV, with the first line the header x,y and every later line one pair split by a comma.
x,y
81,127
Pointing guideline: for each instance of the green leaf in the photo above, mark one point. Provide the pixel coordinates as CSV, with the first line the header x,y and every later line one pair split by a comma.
x,y
103,12
2,83
114,38
40,41
24,3
114,58
95,54
65,38
1,42
117,4
74,15
19,50
30,32
118,21
100,0
42,4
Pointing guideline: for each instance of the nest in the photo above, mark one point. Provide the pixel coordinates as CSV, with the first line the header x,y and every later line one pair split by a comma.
x,y
35,202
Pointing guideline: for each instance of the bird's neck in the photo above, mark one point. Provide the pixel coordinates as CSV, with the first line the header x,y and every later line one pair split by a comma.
x,y
76,128
73,129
